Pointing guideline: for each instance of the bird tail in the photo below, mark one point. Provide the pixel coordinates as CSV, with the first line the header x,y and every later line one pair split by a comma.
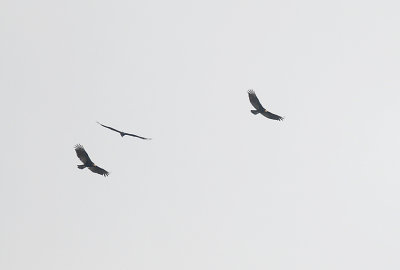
x,y
81,166
255,112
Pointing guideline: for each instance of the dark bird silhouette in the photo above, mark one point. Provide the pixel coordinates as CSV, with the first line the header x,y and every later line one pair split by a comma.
x,y
124,133
259,108
87,162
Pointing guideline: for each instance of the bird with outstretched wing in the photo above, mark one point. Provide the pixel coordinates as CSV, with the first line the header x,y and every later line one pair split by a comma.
x,y
87,162
124,133
259,108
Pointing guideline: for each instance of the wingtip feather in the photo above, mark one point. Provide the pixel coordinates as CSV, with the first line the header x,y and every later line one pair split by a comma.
x,y
78,146
250,92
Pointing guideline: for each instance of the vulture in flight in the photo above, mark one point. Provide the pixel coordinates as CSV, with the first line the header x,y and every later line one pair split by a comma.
x,y
259,108
124,133
87,162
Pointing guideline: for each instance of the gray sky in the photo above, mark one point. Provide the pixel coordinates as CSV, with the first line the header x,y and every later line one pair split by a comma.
x,y
216,188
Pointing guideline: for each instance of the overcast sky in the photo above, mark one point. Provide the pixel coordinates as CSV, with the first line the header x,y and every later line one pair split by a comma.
x,y
217,187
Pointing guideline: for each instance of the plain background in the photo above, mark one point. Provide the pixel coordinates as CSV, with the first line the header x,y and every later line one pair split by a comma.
x,y
216,188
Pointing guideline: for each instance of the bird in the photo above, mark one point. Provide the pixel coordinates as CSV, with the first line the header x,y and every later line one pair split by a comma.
x,y
259,108
87,162
124,133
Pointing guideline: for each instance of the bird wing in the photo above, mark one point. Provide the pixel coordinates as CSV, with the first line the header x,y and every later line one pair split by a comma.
x,y
82,155
254,100
109,127
133,135
97,169
272,116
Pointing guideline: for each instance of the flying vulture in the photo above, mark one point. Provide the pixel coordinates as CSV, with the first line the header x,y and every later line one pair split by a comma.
x,y
87,162
259,108
124,133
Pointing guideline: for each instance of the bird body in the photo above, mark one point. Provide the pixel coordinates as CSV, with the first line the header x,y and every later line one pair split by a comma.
x,y
87,162
259,108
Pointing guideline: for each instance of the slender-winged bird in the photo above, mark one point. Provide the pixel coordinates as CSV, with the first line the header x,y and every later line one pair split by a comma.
x,y
124,133
87,162
259,108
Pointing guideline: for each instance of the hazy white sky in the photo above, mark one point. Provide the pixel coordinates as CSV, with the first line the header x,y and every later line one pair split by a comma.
x,y
216,188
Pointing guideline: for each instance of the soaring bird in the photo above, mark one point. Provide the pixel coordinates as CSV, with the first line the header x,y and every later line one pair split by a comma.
x,y
124,133
87,162
259,108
